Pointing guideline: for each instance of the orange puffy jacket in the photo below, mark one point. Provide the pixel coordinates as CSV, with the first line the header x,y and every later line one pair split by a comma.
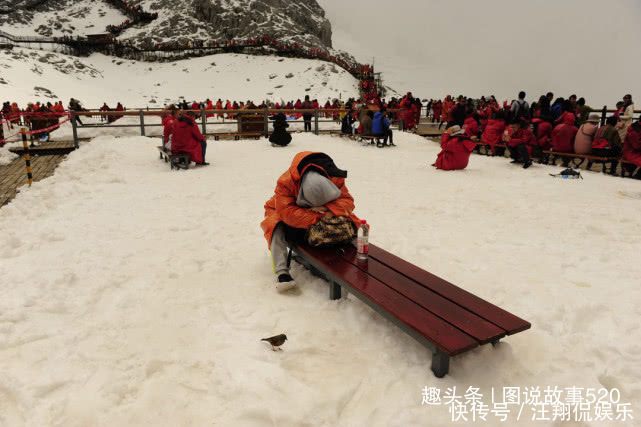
x,y
282,206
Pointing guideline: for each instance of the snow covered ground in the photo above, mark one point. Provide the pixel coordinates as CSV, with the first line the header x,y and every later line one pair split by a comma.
x,y
31,75
133,295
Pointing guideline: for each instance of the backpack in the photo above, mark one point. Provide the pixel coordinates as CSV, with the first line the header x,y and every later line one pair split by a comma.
x,y
599,141
568,173
522,110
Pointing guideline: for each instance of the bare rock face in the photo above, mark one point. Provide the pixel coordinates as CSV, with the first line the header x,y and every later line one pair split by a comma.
x,y
296,21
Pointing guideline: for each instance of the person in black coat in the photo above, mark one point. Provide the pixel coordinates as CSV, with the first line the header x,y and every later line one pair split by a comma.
x,y
347,123
280,136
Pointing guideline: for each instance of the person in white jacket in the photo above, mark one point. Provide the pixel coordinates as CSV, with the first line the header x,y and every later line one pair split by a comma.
x,y
627,117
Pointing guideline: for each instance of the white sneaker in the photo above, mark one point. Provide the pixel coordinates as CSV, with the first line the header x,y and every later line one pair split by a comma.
x,y
284,283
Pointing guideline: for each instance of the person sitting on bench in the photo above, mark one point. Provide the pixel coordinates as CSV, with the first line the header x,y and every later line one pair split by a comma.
x,y
607,142
186,138
632,149
311,188
381,128
521,142
456,149
365,127
347,125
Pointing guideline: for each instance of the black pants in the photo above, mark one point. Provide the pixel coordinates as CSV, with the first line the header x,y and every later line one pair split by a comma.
x,y
387,133
307,118
203,144
608,152
520,153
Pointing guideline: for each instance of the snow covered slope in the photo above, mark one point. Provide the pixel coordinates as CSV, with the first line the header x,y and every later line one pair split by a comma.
x,y
138,296
62,17
29,76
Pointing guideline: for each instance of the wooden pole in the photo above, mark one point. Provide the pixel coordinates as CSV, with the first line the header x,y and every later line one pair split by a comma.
x,y
27,156
604,113
266,122
203,118
74,127
142,123
316,113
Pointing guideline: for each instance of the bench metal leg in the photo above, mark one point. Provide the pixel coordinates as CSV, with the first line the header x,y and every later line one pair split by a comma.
x,y
289,258
440,364
334,291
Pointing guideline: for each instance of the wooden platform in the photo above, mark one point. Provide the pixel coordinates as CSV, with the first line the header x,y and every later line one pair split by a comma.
x,y
48,148
14,175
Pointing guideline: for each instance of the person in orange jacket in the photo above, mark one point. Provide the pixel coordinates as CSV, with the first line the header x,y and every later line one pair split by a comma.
x,y
311,188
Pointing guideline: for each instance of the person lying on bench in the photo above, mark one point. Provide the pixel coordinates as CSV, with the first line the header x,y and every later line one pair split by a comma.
x,y
186,138
311,188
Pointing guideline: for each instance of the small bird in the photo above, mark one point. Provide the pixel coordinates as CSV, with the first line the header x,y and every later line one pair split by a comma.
x,y
276,341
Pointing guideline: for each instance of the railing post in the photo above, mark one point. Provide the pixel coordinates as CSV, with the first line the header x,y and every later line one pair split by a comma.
x,y
603,114
401,125
316,114
266,122
142,123
203,118
74,127
27,156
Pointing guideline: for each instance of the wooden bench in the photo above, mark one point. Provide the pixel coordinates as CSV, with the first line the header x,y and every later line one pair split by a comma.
x,y
578,159
371,139
444,318
177,161
237,136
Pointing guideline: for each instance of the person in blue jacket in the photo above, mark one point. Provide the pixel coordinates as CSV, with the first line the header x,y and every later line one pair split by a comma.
x,y
381,127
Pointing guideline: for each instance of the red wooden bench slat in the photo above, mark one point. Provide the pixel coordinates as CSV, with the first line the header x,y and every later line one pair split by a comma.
x,y
510,323
440,333
468,322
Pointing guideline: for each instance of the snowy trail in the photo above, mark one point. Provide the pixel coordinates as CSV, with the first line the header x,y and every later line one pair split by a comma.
x,y
132,295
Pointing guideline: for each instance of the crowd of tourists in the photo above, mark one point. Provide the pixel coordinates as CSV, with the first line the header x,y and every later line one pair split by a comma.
x,y
528,131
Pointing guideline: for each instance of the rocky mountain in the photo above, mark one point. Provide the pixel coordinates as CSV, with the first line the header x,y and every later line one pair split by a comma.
x,y
296,21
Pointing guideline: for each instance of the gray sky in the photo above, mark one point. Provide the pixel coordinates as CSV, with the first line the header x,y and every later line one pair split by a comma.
x,y
438,47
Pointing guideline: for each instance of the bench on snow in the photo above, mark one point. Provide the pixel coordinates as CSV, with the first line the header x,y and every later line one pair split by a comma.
x,y
444,318
237,136
578,159
178,161
371,139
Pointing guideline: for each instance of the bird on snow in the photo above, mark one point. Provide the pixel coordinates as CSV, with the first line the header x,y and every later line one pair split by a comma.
x,y
276,341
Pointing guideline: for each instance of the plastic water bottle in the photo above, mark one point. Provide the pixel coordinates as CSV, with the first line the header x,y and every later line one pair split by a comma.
x,y
362,242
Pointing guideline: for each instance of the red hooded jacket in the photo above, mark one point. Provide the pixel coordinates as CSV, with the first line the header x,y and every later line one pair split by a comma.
x,y
186,139
455,153
563,138
493,132
632,147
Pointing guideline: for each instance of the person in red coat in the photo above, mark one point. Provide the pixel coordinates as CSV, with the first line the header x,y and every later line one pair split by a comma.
x,y
437,108
456,148
563,135
471,127
632,149
168,128
494,130
521,142
188,139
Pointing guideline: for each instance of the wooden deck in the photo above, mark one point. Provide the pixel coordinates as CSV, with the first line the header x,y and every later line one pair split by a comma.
x,y
48,148
14,175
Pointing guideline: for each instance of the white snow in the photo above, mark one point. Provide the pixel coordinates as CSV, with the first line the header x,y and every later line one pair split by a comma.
x,y
80,18
133,295
101,78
